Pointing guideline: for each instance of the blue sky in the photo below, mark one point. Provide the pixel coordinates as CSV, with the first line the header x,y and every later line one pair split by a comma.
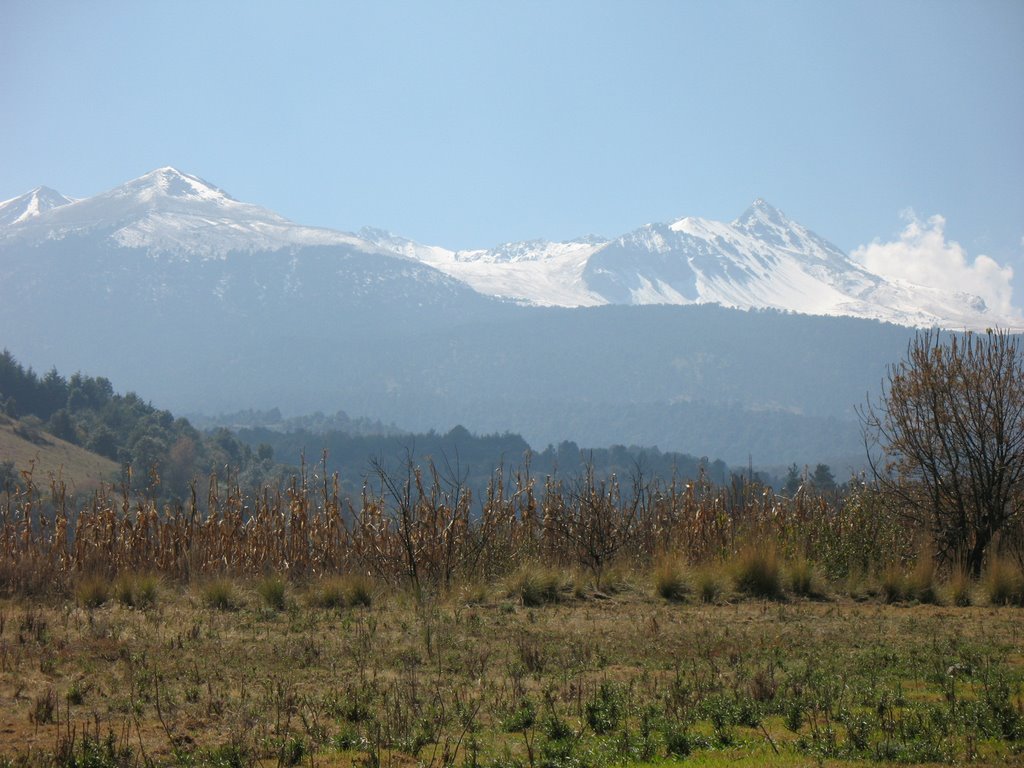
x,y
468,124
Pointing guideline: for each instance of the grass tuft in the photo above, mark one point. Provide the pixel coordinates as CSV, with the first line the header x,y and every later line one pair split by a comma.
x,y
220,595
136,591
757,572
709,584
670,580
804,579
358,590
893,584
92,591
535,585
959,587
921,584
1004,582
328,593
273,592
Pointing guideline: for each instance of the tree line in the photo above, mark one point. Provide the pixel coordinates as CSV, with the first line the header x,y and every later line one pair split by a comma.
x,y
164,452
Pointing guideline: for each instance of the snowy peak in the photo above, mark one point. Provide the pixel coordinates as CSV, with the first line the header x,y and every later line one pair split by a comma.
x,y
167,211
762,212
760,260
168,182
31,204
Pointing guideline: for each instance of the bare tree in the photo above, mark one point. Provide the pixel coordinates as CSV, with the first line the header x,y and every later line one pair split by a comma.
x,y
946,439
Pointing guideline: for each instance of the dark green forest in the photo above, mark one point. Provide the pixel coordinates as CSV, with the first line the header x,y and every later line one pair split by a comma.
x,y
166,453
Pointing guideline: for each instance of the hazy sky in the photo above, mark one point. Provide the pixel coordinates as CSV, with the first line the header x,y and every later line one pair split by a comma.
x,y
891,126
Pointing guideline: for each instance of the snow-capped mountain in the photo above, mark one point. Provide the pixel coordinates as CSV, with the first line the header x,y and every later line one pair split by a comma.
x,y
31,204
172,288
762,260
535,272
167,211
170,243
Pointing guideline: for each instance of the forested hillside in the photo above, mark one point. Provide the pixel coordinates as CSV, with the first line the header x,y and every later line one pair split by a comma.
x,y
165,453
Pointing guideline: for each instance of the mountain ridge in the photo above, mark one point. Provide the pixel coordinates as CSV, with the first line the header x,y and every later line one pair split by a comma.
x,y
760,260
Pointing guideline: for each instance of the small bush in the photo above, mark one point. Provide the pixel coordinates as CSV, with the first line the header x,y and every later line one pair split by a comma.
x,y
273,592
226,756
292,751
678,741
757,572
1004,582
43,708
670,581
93,591
521,719
220,595
76,692
604,711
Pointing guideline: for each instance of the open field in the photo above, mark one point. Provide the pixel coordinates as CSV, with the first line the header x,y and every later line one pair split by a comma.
x,y
232,673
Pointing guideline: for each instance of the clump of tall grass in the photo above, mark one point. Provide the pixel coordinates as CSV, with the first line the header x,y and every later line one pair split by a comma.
x,y
959,586
328,592
336,592
670,580
273,592
920,583
1004,582
535,585
708,584
892,584
220,594
358,590
757,572
136,590
804,580
92,591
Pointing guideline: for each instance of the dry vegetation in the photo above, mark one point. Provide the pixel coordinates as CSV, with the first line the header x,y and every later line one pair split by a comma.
x,y
573,624
29,448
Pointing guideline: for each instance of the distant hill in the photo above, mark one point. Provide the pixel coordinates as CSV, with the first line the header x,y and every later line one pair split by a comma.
x,y
29,448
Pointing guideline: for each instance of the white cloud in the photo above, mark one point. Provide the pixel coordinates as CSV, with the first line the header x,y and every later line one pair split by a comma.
x,y
922,255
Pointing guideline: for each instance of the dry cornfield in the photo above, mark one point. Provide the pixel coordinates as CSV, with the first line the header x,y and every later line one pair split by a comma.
x,y
420,530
